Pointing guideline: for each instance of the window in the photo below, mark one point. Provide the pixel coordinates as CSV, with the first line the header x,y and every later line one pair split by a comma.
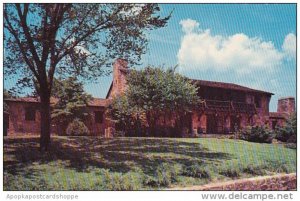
x,y
99,117
29,114
257,102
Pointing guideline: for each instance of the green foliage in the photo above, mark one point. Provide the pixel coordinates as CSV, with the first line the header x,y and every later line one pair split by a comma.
x,y
72,102
291,145
155,89
288,133
150,181
19,182
77,128
260,134
122,182
255,169
231,171
197,171
167,173
71,40
154,93
67,168
278,166
125,115
70,46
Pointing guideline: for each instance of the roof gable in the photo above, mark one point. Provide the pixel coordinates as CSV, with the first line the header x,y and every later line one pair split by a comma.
x,y
95,102
225,85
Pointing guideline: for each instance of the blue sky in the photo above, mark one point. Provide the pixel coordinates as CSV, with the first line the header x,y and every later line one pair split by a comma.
x,y
263,63
248,44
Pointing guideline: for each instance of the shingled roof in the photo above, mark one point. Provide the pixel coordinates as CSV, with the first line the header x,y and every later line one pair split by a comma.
x,y
225,85
95,102
30,100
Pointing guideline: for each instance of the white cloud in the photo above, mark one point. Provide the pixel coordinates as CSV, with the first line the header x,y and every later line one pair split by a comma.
x,y
189,25
240,53
133,11
289,46
79,49
82,51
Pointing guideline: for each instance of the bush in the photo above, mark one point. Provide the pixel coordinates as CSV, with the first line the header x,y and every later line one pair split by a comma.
x,y
167,174
20,182
255,169
122,182
76,128
260,134
197,171
232,172
132,181
288,133
150,181
292,139
278,167
291,145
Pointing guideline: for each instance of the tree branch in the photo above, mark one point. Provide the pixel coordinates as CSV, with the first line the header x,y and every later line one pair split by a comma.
x,y
45,42
28,35
74,30
57,19
15,34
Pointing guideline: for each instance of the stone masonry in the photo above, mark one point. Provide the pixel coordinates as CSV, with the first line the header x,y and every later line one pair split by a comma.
x,y
225,108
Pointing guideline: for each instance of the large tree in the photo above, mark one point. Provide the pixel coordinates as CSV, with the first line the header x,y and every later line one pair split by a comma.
x,y
152,94
42,40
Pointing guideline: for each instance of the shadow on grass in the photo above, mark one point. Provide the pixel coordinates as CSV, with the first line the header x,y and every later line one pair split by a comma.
x,y
117,154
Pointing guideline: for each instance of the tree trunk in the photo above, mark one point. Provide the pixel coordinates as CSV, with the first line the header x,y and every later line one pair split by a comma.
x,y
45,123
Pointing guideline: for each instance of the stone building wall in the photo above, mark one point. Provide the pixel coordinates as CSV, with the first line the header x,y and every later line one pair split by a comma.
x,y
19,126
120,69
197,121
96,128
262,116
286,105
17,122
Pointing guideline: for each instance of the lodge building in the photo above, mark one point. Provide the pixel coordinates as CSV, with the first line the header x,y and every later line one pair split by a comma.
x,y
224,108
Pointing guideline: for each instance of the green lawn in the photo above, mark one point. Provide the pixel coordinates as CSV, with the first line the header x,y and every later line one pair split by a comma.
x,y
91,163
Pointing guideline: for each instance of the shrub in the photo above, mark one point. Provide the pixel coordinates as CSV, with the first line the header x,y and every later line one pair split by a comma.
x,y
122,182
260,134
19,182
278,167
232,172
76,128
197,171
288,133
132,181
167,173
291,145
255,169
150,181
292,139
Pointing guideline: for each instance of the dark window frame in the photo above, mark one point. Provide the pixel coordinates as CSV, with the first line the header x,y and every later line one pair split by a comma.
x,y
257,101
30,114
99,117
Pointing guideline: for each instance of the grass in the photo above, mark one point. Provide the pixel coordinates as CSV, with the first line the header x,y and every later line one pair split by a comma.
x,y
92,163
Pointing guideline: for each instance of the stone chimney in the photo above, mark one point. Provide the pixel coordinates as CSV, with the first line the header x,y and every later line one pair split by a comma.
x,y
120,70
286,105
